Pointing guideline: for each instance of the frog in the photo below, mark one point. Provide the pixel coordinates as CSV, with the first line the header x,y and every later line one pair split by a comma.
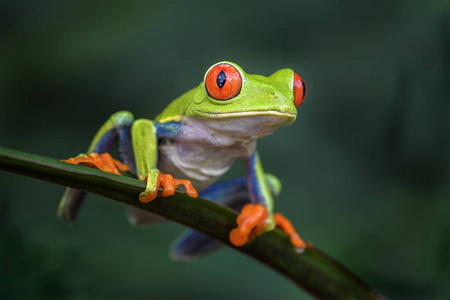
x,y
194,141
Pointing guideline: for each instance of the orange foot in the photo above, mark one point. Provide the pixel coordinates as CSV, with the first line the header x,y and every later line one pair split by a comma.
x,y
285,225
103,162
168,184
251,222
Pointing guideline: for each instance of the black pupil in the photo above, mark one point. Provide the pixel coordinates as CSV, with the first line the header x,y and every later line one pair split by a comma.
x,y
304,89
221,79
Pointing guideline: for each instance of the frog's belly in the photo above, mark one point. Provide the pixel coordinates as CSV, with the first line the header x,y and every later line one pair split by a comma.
x,y
202,165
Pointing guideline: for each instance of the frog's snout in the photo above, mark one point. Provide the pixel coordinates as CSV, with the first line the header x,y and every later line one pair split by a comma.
x,y
299,87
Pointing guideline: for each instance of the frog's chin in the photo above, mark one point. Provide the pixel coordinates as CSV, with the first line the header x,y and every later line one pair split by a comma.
x,y
249,124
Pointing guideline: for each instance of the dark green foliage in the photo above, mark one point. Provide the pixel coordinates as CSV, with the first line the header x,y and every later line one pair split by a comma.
x,y
368,156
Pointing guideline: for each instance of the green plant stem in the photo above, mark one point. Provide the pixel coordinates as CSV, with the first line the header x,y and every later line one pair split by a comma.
x,y
312,270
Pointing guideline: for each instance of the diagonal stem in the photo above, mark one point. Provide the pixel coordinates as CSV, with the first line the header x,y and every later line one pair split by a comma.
x,y
312,270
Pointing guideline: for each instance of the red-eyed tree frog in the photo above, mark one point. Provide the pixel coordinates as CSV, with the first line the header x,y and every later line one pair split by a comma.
x,y
196,139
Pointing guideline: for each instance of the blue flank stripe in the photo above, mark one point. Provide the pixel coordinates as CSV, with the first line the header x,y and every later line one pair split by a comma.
x,y
222,192
106,142
126,148
167,130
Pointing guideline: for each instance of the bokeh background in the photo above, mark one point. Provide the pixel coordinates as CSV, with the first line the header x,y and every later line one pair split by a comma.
x,y
365,168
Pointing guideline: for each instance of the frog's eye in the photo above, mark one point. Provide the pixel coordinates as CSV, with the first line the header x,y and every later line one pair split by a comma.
x,y
299,89
223,82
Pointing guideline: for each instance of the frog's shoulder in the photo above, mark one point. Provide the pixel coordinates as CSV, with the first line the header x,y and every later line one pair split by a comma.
x,y
176,110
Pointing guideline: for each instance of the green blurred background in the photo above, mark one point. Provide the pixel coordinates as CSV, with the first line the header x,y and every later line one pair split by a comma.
x,y
365,168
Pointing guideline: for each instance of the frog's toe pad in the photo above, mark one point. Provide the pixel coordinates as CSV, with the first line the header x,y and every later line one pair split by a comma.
x,y
251,222
285,225
103,162
166,186
190,190
147,196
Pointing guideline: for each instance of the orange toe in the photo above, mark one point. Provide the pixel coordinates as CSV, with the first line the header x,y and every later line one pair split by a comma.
x,y
251,222
238,238
166,186
103,162
146,197
284,224
190,190
166,181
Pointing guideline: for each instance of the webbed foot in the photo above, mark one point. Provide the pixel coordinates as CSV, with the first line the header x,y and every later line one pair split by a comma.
x,y
251,222
285,225
103,162
168,185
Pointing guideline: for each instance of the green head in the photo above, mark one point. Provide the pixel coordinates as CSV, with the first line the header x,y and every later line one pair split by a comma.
x,y
228,92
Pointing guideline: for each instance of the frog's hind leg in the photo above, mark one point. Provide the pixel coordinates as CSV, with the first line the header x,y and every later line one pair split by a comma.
x,y
233,194
142,218
117,126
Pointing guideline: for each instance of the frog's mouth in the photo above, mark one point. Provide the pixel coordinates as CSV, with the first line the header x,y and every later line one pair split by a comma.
x,y
288,117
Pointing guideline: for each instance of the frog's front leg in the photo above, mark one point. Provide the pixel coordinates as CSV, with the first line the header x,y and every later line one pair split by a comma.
x,y
117,126
257,217
144,135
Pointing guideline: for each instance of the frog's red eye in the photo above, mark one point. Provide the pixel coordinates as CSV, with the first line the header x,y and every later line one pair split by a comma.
x,y
223,82
299,89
